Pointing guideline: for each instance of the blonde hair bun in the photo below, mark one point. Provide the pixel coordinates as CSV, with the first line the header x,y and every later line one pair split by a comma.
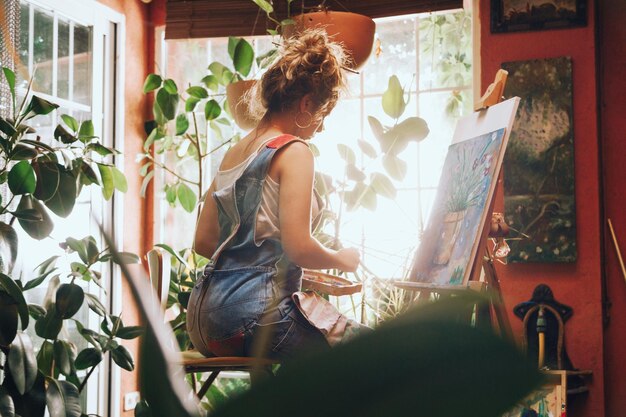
x,y
307,63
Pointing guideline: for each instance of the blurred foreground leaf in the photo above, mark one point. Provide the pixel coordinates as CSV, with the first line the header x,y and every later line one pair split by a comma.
x,y
426,363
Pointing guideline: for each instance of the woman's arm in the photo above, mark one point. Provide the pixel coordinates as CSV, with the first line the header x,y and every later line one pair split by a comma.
x,y
295,170
207,229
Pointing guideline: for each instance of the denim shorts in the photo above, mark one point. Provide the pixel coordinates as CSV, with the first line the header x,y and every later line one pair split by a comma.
x,y
245,304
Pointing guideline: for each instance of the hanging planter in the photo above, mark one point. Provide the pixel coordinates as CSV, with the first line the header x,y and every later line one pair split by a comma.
x,y
238,106
354,31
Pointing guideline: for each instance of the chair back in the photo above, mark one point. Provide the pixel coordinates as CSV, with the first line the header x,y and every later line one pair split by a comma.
x,y
159,265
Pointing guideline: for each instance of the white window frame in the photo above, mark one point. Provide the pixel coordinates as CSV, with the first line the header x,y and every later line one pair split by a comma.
x,y
109,34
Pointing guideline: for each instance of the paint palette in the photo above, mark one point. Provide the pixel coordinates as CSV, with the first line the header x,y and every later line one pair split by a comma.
x,y
329,284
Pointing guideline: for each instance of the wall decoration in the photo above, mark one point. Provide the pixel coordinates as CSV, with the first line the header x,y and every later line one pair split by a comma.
x,y
450,241
518,15
539,162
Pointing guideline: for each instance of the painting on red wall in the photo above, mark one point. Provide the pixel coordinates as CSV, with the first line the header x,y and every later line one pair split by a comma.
x,y
539,162
520,15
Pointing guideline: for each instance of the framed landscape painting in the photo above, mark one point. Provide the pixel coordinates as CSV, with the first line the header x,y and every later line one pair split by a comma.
x,y
520,15
539,189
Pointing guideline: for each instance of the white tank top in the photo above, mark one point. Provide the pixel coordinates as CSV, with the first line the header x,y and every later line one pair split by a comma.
x,y
267,222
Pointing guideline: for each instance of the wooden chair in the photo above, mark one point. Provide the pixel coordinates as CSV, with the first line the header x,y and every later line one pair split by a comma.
x,y
193,361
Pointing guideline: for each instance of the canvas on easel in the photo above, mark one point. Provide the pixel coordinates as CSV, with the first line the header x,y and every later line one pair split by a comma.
x,y
455,231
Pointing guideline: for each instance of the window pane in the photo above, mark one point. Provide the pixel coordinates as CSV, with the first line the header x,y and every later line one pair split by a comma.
x,y
397,40
23,51
42,52
82,64
63,75
445,50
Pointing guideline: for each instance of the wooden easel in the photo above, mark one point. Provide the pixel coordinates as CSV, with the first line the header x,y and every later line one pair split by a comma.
x,y
483,277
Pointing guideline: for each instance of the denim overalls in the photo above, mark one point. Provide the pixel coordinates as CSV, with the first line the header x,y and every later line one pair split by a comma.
x,y
249,284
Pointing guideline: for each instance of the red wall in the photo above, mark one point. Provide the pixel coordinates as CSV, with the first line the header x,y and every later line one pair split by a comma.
x,y
612,34
577,284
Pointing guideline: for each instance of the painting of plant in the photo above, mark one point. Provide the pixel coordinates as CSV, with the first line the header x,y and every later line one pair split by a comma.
x,y
451,238
539,162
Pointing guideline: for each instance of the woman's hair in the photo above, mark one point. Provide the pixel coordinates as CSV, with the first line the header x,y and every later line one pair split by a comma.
x,y
307,63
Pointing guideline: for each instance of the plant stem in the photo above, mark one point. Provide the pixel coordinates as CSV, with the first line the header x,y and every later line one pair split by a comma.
x,y
160,165
82,384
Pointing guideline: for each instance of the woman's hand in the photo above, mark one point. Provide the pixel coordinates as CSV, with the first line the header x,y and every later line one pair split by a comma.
x,y
350,258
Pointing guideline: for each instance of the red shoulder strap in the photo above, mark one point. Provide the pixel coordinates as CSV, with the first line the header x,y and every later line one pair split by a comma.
x,y
280,141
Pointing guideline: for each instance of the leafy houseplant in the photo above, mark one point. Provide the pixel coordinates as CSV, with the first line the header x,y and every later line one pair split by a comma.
x,y
38,177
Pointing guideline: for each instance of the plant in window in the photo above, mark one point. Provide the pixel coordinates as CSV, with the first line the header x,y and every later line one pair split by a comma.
x,y
37,177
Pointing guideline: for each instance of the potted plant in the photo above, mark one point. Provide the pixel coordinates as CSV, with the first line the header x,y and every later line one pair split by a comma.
x,y
42,177
354,31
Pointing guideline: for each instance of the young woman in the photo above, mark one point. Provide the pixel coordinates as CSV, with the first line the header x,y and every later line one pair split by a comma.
x,y
257,219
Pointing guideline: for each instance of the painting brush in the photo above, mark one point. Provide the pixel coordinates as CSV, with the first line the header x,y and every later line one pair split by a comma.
x,y
617,250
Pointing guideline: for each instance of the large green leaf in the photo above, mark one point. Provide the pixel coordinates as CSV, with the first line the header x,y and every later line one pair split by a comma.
x,y
353,173
62,135
49,326
23,152
38,229
186,196
62,202
107,181
182,124
197,92
243,57
346,153
8,319
39,107
224,75
10,76
382,185
394,166
22,178
22,363
377,128
211,82
45,359
367,149
48,174
7,128
7,408
86,132
191,103
415,360
8,247
95,305
8,285
411,129
232,44
88,358
119,179
70,122
130,332
33,402
69,299
167,103
264,5
122,357
393,98
170,86
64,357
212,110
153,81
63,399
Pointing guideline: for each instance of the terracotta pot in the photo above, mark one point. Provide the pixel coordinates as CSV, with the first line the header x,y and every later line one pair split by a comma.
x,y
354,31
452,223
237,104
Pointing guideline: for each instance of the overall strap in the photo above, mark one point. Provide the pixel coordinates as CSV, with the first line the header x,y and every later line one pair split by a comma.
x,y
236,205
